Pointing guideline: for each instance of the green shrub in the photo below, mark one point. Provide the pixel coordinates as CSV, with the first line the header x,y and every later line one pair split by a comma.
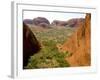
x,y
49,56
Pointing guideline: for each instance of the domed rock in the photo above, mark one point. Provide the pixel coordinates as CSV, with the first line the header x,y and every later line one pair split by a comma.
x,y
41,21
74,22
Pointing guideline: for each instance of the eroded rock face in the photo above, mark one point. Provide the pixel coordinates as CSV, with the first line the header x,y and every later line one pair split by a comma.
x,y
79,44
41,21
30,44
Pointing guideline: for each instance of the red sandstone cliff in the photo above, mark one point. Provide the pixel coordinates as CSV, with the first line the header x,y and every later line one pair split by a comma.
x,y
79,45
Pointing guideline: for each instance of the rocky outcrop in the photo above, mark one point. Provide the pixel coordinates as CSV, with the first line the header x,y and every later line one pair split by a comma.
x,y
59,23
41,21
44,25
71,23
30,44
79,44
75,22
28,21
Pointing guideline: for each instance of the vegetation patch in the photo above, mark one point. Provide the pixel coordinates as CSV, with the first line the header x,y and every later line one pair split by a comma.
x,y
49,56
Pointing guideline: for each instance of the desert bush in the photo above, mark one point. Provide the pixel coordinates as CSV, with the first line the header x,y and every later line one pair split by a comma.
x,y
48,58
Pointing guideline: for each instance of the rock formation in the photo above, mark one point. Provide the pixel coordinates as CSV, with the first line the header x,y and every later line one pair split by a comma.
x,y
79,44
30,44
74,22
59,23
28,21
41,21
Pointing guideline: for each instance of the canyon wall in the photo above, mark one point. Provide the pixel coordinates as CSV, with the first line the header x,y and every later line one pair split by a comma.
x,y
79,44
30,44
